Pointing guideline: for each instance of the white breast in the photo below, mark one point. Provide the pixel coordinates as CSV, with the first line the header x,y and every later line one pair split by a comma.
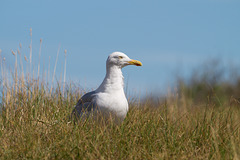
x,y
114,103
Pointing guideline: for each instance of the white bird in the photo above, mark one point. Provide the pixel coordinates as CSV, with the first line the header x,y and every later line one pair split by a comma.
x,y
109,98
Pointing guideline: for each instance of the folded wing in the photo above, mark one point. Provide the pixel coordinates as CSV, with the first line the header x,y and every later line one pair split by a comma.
x,y
85,104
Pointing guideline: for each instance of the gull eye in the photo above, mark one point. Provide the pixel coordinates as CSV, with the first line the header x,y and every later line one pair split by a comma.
x,y
120,57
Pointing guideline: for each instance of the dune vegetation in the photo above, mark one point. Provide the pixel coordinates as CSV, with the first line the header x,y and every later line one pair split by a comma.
x,y
200,119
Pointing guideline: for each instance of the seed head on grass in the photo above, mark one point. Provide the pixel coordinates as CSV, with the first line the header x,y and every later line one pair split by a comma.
x,y
25,58
18,51
13,52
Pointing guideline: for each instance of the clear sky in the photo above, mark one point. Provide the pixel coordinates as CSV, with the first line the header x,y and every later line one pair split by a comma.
x,y
167,36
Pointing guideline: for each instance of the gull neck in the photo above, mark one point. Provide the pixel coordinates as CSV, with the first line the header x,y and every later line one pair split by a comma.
x,y
113,80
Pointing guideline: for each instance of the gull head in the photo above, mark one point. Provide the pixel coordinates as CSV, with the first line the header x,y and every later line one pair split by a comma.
x,y
121,60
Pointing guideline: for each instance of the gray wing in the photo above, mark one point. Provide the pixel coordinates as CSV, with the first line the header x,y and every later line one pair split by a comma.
x,y
84,104
86,98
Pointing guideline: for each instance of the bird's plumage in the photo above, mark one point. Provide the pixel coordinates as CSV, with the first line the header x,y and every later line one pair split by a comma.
x,y
109,98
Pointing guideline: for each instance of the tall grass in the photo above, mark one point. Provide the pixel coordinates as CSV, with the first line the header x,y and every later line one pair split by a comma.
x,y
34,124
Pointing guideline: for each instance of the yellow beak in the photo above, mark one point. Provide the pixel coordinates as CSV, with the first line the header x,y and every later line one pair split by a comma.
x,y
135,62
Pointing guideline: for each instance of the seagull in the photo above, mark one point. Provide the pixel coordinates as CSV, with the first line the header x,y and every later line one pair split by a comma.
x,y
109,98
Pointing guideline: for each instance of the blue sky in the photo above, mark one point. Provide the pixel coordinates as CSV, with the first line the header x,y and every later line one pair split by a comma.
x,y
168,37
